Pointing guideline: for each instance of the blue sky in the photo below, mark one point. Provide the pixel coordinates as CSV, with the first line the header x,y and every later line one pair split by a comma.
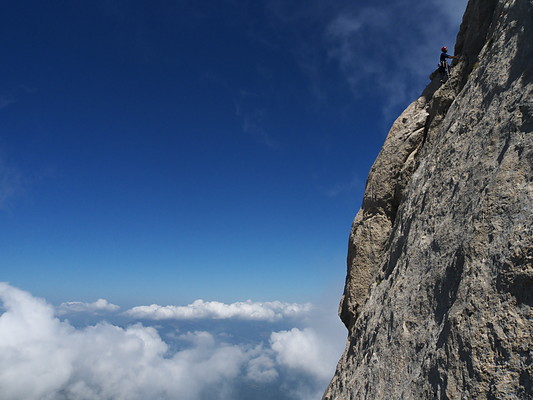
x,y
164,152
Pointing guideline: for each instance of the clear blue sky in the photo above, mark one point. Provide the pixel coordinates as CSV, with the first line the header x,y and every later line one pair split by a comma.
x,y
165,151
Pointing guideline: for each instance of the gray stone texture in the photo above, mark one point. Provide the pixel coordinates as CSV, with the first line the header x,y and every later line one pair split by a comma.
x,y
439,285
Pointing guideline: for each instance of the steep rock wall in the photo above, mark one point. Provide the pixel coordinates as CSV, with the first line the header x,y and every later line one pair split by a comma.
x,y
439,286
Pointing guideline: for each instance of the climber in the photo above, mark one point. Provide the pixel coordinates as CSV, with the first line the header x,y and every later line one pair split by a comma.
x,y
444,68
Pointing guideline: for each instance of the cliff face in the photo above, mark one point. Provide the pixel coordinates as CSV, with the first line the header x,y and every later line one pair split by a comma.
x,y
439,286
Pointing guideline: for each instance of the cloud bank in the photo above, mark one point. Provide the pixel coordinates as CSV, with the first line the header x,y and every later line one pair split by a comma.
x,y
248,310
44,358
99,306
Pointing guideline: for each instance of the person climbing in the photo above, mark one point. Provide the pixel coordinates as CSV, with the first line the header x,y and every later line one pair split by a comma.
x,y
444,68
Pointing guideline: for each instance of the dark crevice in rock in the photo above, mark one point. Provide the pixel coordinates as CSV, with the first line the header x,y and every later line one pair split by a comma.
x,y
446,289
443,336
526,382
505,147
517,281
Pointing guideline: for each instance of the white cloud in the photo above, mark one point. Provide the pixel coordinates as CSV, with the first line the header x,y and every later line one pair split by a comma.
x,y
262,369
313,350
44,358
248,310
99,306
302,350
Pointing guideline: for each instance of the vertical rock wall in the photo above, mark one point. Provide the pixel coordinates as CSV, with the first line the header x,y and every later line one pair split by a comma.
x,y
439,286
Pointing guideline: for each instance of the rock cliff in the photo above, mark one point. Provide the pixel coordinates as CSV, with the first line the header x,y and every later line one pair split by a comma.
x,y
439,286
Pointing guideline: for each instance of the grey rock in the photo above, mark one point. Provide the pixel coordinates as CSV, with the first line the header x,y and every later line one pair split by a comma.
x,y
439,287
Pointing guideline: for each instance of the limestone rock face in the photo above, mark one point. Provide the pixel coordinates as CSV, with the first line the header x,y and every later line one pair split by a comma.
x,y
439,287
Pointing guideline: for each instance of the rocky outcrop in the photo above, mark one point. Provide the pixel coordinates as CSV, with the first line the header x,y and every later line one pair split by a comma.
x,y
439,286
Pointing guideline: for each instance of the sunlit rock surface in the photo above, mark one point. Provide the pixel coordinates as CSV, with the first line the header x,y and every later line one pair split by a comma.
x,y
439,286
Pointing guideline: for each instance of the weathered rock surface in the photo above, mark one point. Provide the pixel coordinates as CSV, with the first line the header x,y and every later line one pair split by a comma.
x,y
439,287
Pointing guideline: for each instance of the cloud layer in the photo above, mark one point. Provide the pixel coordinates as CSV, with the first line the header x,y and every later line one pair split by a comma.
x,y
44,358
99,306
248,310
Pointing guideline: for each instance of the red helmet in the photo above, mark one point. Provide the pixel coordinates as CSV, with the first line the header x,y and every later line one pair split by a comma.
x,y
444,49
